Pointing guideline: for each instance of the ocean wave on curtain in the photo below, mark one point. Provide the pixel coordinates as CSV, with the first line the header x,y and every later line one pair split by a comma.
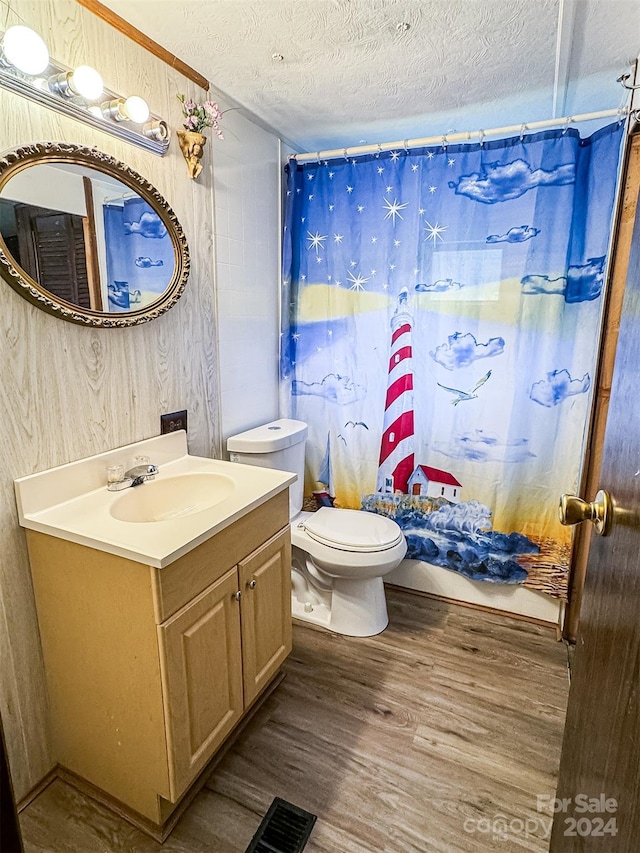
x,y
441,314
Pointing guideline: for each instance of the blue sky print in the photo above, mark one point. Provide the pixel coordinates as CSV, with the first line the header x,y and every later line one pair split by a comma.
x,y
332,387
505,181
557,387
582,283
480,446
517,234
149,225
440,286
462,350
449,298
140,255
145,263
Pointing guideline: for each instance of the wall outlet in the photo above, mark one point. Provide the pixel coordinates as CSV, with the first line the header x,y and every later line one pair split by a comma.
x,y
173,421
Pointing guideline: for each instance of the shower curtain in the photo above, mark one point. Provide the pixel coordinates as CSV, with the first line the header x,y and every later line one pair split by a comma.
x,y
441,312
140,256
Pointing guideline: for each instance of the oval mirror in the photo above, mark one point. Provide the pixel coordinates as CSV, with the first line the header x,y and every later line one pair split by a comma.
x,y
86,238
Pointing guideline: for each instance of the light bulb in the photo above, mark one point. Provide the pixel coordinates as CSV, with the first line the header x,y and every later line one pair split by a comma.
x,y
25,50
86,82
137,109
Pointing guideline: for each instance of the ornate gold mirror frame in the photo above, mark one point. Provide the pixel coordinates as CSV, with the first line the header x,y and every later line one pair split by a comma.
x,y
15,161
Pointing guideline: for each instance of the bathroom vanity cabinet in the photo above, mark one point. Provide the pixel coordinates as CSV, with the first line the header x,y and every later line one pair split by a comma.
x,y
149,670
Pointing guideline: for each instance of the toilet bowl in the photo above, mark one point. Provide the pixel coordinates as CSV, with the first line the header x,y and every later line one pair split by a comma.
x,y
350,551
339,556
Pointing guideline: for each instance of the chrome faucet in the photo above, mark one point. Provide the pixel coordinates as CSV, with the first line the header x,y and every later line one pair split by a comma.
x,y
135,476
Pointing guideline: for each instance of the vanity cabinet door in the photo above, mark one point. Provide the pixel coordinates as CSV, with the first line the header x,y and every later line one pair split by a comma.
x,y
201,663
265,581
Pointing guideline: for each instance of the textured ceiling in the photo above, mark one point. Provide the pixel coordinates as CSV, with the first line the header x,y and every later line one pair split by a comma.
x,y
349,73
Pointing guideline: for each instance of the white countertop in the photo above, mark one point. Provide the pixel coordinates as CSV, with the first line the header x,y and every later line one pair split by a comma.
x,y
72,502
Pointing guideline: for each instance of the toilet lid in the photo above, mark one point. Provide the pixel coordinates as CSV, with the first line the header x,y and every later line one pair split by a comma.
x,y
352,530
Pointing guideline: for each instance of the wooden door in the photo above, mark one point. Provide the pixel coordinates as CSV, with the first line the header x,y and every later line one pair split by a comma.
x,y
265,581
202,678
598,796
52,251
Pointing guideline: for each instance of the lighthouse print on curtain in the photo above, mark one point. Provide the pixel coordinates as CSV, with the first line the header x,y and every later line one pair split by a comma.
x,y
441,315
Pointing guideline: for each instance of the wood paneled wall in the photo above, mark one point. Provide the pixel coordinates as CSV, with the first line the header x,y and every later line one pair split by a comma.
x,y
67,391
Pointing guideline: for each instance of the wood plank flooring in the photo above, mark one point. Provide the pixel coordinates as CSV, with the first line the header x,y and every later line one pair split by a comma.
x,y
415,740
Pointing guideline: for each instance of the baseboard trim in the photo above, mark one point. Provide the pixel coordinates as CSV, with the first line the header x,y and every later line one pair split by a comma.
x,y
112,804
158,831
37,789
496,611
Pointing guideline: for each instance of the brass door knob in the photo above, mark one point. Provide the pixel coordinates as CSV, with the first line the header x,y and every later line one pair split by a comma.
x,y
573,510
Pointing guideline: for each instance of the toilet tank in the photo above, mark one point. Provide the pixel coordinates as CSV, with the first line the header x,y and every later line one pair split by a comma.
x,y
279,445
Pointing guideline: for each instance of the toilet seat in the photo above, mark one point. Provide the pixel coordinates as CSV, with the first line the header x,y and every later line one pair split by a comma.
x,y
351,530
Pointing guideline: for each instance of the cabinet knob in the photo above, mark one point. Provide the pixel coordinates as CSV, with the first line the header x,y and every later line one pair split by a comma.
x,y
237,595
253,584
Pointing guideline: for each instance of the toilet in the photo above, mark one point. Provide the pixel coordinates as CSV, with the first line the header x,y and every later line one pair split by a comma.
x,y
339,556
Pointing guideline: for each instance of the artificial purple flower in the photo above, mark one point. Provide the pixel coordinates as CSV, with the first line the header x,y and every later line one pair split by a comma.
x,y
200,116
212,110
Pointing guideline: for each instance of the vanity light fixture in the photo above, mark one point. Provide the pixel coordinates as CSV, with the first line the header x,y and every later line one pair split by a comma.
x,y
79,93
23,49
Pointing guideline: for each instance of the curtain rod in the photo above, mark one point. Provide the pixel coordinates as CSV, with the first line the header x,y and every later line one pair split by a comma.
x,y
449,138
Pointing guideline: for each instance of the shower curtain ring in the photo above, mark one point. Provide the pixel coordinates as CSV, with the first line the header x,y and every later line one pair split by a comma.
x,y
523,127
344,152
444,143
379,152
406,147
622,113
567,122
481,135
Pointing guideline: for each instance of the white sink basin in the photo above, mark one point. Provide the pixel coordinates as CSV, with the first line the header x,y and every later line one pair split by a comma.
x,y
191,499
173,497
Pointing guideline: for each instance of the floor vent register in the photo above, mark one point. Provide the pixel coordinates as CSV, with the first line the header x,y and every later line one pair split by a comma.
x,y
284,829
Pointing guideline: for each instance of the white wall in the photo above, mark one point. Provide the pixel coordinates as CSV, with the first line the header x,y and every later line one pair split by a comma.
x,y
47,186
511,598
246,167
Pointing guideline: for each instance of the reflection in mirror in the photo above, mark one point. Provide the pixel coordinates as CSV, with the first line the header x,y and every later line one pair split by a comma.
x,y
86,238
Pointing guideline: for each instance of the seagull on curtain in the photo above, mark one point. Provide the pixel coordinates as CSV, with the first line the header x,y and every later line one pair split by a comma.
x,y
461,396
